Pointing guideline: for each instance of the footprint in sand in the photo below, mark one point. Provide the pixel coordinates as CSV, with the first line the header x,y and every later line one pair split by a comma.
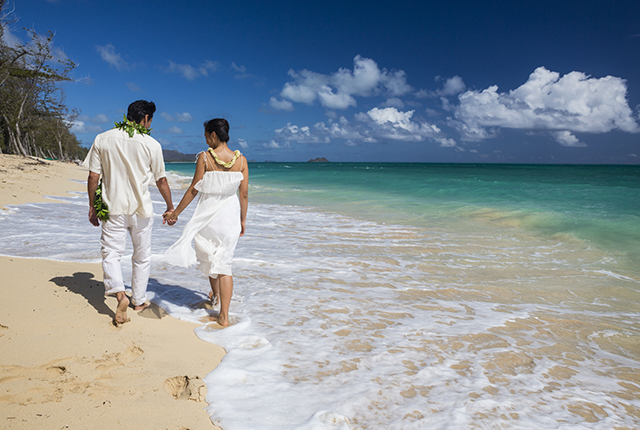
x,y
153,311
185,388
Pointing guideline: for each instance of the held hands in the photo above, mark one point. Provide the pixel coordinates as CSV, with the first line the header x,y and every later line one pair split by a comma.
x,y
169,217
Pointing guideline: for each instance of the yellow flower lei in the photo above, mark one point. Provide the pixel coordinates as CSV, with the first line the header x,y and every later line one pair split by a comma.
x,y
222,163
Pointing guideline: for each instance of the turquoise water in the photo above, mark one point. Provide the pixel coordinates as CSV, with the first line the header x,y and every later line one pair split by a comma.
x,y
597,204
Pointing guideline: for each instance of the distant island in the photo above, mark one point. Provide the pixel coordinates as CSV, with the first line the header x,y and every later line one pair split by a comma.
x,y
173,156
318,160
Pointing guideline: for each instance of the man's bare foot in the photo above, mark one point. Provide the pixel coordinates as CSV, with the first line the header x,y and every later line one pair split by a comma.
x,y
121,311
141,307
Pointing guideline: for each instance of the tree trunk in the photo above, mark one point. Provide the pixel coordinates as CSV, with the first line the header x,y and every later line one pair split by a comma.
x,y
17,140
60,146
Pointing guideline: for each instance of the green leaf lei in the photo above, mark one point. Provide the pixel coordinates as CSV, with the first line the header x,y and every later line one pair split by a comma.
x,y
100,206
131,127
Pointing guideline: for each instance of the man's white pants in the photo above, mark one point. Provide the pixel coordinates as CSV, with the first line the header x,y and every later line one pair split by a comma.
x,y
113,241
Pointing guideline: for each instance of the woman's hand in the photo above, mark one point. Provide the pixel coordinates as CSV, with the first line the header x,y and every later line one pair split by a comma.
x,y
169,217
242,228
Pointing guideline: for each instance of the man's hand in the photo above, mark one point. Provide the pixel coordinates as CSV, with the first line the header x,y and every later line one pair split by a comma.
x,y
169,218
93,217
92,185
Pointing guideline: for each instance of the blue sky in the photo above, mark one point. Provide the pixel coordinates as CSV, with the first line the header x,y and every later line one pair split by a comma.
x,y
426,81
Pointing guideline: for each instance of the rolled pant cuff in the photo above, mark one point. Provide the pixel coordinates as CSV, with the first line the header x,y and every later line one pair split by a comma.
x,y
108,290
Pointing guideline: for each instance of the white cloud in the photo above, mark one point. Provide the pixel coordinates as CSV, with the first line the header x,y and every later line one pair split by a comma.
x,y
79,127
164,142
391,115
243,143
178,117
190,72
108,54
396,83
9,39
275,145
574,102
305,87
100,119
294,133
338,90
240,69
133,87
342,129
565,138
281,104
332,100
447,142
372,126
394,102
423,94
393,124
452,86
362,81
174,130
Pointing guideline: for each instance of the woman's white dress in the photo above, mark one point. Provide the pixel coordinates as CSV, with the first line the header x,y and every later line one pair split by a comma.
x,y
214,228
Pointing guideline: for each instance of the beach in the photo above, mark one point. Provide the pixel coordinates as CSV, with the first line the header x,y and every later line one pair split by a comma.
x,y
63,364
384,296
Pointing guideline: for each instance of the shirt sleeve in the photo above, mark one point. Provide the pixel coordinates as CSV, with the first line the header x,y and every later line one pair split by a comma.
x,y
92,161
157,162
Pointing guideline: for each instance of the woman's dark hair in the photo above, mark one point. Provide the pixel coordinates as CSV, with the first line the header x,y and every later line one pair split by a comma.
x,y
220,126
139,109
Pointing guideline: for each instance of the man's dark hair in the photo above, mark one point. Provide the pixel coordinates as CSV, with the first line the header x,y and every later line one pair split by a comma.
x,y
139,109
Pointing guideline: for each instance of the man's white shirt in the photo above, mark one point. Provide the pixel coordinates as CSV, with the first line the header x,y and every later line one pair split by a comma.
x,y
128,166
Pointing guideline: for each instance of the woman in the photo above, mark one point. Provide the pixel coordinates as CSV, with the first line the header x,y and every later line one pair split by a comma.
x,y
222,178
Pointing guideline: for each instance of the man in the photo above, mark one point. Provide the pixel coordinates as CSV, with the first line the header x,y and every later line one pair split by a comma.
x,y
128,159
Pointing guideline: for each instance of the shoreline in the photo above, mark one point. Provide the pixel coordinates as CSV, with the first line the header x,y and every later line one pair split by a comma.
x,y
63,364
29,180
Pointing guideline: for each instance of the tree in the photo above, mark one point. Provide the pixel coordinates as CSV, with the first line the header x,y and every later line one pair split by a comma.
x,y
31,98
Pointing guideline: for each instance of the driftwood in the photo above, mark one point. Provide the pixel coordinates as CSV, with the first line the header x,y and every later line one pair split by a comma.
x,y
39,161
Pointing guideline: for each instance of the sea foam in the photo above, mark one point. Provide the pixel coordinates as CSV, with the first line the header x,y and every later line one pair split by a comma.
x,y
343,323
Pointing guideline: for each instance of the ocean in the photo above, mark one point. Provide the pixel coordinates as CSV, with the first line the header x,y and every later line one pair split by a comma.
x,y
407,296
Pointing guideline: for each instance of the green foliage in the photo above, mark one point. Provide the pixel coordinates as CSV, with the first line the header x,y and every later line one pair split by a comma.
x,y
34,119
131,127
100,206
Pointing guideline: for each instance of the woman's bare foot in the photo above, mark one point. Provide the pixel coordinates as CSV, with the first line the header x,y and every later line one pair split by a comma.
x,y
223,321
121,310
213,298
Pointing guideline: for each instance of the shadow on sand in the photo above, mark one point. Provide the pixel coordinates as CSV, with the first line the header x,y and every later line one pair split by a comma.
x,y
84,284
